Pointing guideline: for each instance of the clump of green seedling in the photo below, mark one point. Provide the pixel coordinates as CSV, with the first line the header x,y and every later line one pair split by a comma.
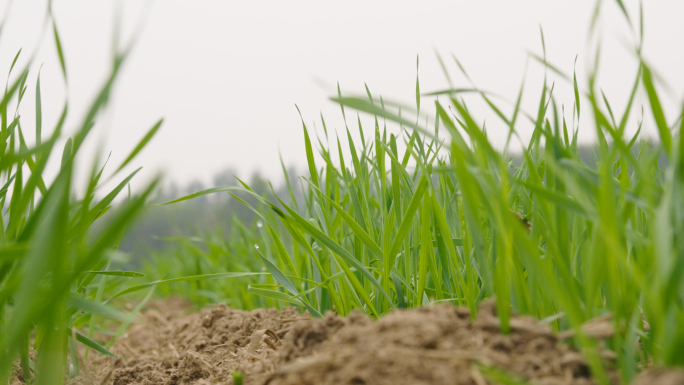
x,y
53,268
410,218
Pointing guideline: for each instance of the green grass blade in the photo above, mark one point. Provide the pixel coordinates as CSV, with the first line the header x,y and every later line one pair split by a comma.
x,y
143,142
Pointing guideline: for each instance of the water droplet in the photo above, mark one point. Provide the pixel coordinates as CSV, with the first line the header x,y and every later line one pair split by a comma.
x,y
256,247
260,224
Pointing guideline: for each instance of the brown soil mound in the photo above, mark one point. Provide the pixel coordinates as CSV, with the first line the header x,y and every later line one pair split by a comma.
x,y
200,348
661,376
431,345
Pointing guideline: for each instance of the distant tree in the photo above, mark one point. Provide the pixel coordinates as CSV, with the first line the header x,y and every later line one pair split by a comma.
x,y
225,177
171,192
194,187
258,183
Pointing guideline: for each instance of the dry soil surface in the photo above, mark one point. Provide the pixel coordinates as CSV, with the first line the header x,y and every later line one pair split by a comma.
x,y
431,345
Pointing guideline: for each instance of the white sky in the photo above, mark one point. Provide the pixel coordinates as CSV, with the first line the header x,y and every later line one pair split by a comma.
x,y
226,75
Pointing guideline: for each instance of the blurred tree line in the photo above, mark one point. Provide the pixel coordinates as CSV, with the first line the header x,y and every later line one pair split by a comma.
x,y
211,213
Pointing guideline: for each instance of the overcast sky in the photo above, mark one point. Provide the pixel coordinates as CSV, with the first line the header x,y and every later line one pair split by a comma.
x,y
226,75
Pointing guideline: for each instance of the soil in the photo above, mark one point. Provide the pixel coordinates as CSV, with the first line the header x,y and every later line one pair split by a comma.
x,y
437,344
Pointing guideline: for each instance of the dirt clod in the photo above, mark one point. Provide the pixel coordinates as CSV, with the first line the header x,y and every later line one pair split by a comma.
x,y
661,376
430,345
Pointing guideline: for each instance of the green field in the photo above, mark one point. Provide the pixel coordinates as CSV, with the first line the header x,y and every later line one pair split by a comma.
x,y
426,210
